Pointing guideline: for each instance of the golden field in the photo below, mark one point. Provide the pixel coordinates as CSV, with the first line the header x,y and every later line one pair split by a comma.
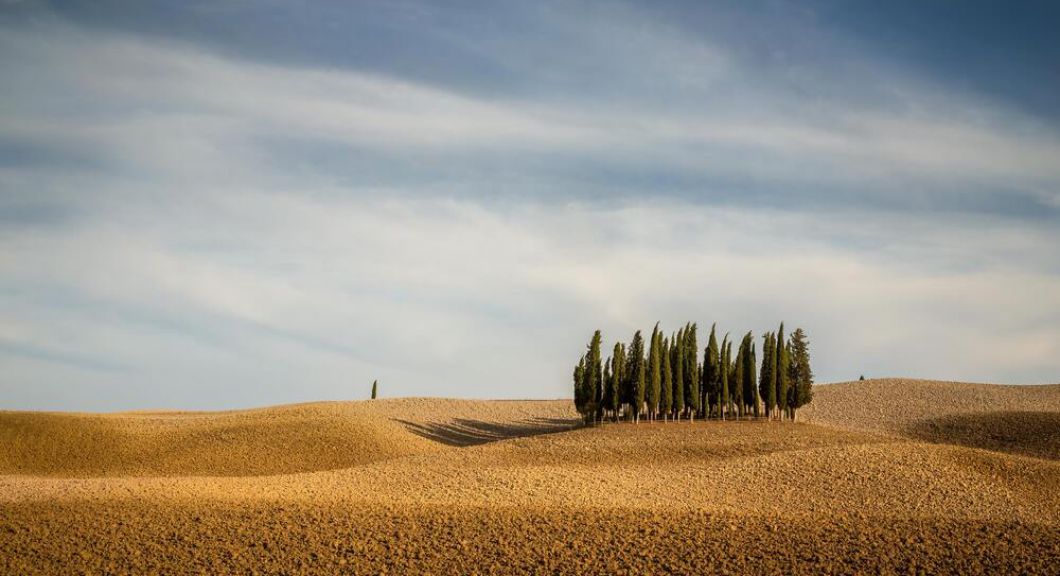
x,y
882,476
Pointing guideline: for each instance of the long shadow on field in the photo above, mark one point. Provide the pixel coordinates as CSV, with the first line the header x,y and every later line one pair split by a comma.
x,y
1026,433
467,432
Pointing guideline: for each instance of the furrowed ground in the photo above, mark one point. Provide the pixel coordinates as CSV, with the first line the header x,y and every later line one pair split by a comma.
x,y
435,486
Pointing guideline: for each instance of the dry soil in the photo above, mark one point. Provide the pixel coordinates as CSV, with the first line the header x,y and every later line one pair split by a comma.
x,y
956,478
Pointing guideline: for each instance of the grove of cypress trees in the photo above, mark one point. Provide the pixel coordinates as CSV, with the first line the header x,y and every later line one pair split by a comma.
x,y
781,371
800,390
677,363
667,399
664,376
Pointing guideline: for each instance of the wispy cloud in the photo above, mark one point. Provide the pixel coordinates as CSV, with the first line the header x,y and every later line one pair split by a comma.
x,y
232,231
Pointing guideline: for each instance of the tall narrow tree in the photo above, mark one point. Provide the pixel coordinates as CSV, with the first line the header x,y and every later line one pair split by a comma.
x,y
711,373
655,372
781,371
637,367
375,388
750,382
766,384
737,379
618,368
667,401
596,385
800,391
677,363
691,352
723,377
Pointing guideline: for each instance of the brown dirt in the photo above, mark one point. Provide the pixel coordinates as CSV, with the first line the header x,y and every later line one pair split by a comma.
x,y
277,440
1016,419
736,497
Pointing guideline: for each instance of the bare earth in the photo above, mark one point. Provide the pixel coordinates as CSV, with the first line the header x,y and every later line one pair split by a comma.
x,y
887,476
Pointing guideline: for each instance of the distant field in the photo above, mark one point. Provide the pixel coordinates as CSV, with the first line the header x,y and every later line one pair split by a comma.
x,y
886,479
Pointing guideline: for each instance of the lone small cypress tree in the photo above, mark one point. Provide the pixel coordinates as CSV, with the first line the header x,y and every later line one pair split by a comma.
x,y
375,388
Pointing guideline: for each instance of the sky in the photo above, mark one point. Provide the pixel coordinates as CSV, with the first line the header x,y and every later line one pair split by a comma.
x,y
213,205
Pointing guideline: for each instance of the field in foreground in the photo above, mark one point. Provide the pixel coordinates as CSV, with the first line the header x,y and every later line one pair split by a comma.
x,y
434,486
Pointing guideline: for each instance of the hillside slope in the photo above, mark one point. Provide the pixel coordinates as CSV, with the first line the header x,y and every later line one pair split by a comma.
x,y
1018,419
274,440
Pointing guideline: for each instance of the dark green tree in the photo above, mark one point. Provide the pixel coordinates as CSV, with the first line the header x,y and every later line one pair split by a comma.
x,y
723,375
782,372
655,372
618,370
667,379
596,384
375,388
677,363
737,379
767,385
605,399
711,372
753,363
800,390
579,386
749,382
637,367
691,371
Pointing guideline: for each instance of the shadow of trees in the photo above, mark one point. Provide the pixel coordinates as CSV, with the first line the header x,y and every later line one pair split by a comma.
x,y
1026,433
468,432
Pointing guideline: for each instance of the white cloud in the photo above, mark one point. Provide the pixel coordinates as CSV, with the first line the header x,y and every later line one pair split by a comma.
x,y
196,269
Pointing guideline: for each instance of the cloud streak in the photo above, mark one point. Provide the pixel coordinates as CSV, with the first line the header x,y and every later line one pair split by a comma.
x,y
221,231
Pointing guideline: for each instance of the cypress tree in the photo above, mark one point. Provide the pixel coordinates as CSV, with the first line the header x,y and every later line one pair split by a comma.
x,y
605,396
723,368
628,370
748,381
667,378
737,380
753,362
677,362
637,368
618,365
596,384
691,352
767,385
711,375
375,388
579,386
781,371
801,386
655,372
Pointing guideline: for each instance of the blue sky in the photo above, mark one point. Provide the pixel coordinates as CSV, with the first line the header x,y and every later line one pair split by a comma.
x,y
210,205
